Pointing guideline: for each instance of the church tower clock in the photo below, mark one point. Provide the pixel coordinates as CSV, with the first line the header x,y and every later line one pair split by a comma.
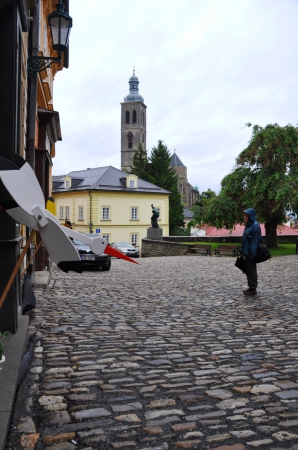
x,y
133,123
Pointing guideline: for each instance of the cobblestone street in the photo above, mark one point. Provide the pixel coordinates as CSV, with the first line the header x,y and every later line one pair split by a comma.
x,y
165,355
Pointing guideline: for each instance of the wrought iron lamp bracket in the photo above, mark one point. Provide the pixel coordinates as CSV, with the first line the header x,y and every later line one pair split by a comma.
x,y
40,63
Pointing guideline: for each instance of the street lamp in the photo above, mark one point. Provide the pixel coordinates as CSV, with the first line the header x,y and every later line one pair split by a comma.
x,y
60,24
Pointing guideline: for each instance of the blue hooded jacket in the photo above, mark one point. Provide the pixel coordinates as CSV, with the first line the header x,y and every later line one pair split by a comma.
x,y
252,236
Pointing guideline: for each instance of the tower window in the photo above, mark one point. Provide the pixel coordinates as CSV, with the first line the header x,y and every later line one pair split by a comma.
x,y
127,117
134,116
143,139
142,118
129,139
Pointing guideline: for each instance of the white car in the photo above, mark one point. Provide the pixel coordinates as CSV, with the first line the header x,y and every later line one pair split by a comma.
x,y
126,248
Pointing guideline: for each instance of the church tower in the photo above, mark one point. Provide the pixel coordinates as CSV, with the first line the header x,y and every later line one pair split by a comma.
x,y
133,123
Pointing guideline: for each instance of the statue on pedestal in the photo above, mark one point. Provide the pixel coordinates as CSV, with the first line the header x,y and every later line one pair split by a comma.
x,y
154,217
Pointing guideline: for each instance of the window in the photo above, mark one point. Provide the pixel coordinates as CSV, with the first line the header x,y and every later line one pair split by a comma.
x,y
134,116
131,183
127,117
134,213
61,211
67,183
81,212
105,213
134,239
142,118
106,237
143,139
66,212
129,139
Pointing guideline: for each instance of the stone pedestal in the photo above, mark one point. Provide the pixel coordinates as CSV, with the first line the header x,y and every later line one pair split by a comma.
x,y
154,233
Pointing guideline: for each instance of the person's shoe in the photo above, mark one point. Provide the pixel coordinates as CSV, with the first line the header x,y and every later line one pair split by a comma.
x,y
246,290
250,291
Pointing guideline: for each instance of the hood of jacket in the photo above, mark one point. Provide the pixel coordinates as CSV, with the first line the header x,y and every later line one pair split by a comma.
x,y
251,214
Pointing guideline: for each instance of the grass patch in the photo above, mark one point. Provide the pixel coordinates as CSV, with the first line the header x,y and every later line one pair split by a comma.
x,y
281,250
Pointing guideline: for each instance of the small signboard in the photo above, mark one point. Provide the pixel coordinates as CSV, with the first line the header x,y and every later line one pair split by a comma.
x,y
97,230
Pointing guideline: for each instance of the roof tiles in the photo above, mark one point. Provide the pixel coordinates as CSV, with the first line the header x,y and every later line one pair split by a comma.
x,y
103,178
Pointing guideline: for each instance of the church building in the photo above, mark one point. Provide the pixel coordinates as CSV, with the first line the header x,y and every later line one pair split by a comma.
x,y
188,192
133,123
133,133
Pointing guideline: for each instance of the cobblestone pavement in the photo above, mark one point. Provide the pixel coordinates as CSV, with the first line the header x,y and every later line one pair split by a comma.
x,y
166,355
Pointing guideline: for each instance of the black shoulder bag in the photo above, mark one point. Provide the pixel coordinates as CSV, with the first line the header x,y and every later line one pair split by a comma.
x,y
263,253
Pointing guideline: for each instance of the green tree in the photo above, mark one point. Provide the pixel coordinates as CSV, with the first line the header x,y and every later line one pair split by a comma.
x,y
160,172
200,206
140,163
265,177
163,175
176,211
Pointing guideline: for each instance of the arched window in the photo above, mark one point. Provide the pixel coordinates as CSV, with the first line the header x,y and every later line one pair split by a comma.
x,y
143,139
129,139
142,118
127,117
134,116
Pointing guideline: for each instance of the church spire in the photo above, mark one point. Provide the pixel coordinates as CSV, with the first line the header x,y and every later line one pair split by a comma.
x,y
133,95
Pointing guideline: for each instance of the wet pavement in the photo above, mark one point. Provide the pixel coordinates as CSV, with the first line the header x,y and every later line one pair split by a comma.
x,y
165,355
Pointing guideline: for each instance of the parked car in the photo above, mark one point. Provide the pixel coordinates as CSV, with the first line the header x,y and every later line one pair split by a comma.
x,y
126,248
89,258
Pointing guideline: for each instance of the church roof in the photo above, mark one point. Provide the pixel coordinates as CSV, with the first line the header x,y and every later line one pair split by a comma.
x,y
188,214
176,161
103,178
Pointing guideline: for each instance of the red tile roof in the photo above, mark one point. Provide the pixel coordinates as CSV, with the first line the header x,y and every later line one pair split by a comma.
x,y
283,230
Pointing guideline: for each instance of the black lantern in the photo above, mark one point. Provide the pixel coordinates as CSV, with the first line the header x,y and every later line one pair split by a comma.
x,y
60,25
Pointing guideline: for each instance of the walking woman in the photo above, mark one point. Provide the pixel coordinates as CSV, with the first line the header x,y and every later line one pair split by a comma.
x,y
251,238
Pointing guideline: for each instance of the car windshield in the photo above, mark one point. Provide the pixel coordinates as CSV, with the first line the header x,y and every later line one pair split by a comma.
x,y
76,242
124,244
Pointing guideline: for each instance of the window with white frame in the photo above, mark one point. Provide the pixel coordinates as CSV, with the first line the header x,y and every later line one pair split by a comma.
x,y
105,213
134,213
67,183
134,239
106,237
131,183
61,211
66,212
81,212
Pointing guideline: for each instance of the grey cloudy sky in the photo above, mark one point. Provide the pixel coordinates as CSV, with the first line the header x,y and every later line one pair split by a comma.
x,y
206,67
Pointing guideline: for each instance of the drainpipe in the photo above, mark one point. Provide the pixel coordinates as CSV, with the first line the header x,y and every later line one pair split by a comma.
x,y
32,104
30,150
90,223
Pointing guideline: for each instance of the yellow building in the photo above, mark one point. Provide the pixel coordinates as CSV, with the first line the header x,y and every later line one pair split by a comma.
x,y
108,199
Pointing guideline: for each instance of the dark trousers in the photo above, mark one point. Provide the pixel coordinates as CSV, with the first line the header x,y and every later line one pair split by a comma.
x,y
251,272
